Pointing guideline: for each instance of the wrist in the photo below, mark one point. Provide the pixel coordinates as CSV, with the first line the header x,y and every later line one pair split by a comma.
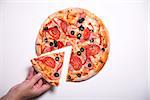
x,y
14,94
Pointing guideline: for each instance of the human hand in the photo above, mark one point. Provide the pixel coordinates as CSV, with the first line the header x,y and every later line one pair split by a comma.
x,y
31,87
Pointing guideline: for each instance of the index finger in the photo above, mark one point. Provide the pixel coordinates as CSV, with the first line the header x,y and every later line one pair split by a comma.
x,y
45,87
35,79
30,73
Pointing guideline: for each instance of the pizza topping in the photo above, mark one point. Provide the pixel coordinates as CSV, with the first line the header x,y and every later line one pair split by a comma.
x,y
59,67
64,26
60,44
47,49
46,40
45,28
55,26
81,28
78,53
103,49
69,77
86,33
92,40
89,65
79,75
55,33
57,58
55,43
49,62
81,20
56,74
72,32
92,49
81,49
51,43
76,62
68,44
79,36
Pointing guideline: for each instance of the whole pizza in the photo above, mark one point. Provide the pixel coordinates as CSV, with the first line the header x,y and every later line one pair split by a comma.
x,y
82,30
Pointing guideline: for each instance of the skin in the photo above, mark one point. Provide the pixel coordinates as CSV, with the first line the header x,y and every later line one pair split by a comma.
x,y
30,88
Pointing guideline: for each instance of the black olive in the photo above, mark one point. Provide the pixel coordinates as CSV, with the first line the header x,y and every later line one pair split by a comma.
x,y
72,32
56,74
45,28
79,36
81,49
46,40
92,30
89,65
79,75
55,43
69,77
51,43
92,40
103,49
81,20
78,53
81,28
57,58
55,26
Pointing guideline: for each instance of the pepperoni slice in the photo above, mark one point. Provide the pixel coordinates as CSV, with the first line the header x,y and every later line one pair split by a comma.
x,y
92,49
48,49
86,34
60,44
49,62
76,62
55,33
64,26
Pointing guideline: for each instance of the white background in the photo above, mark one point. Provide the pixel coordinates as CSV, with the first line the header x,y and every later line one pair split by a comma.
x,y
125,75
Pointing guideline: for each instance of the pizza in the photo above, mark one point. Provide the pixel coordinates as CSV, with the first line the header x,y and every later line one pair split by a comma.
x,y
82,30
50,66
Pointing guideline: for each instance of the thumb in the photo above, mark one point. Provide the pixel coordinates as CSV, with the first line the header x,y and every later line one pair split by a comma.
x,y
35,78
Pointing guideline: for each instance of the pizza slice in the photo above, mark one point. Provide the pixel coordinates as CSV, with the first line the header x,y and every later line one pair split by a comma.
x,y
50,66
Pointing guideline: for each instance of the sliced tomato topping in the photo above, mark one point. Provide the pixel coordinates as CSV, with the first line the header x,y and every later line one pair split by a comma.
x,y
86,34
64,26
76,62
60,44
48,61
54,32
92,49
48,49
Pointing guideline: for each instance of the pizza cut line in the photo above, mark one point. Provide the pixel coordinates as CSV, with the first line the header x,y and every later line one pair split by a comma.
x,y
82,30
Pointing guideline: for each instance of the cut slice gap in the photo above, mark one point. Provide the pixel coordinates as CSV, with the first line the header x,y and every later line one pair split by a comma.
x,y
44,64
65,66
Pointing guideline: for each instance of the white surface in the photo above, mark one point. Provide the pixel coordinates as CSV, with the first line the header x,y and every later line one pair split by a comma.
x,y
124,77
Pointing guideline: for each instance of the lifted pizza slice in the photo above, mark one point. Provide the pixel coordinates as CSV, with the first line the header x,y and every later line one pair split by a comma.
x,y
50,66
